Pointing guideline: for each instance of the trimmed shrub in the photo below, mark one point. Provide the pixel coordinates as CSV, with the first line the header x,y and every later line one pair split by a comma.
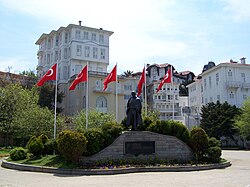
x,y
95,141
147,121
199,142
214,154
111,130
18,153
35,146
71,145
213,142
172,128
50,146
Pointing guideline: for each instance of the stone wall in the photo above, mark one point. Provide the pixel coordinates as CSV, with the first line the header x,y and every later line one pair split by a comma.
x,y
166,147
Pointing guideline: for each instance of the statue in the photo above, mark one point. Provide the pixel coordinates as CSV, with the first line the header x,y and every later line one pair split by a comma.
x,y
134,111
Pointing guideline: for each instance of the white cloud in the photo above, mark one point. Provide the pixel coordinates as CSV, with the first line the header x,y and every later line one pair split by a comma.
x,y
238,9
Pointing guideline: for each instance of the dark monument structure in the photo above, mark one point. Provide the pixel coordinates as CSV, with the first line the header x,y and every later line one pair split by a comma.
x,y
143,145
134,111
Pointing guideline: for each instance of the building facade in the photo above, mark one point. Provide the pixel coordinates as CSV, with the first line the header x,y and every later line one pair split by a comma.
x,y
226,82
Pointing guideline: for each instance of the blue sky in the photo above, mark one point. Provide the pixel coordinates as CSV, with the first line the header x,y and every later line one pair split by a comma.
x,y
186,34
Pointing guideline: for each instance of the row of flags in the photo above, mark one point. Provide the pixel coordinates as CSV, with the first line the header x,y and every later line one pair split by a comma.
x,y
112,77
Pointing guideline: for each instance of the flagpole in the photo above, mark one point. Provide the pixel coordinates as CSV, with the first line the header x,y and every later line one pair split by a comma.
x,y
145,88
116,96
87,96
55,101
173,89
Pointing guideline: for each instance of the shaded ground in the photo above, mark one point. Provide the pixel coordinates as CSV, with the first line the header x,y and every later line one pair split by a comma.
x,y
236,175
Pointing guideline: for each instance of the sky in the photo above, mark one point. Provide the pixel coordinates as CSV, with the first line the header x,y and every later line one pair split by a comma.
x,y
185,33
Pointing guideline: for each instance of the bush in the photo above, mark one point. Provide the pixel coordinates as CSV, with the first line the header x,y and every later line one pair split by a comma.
x,y
71,145
44,138
214,154
213,142
172,128
50,146
95,141
199,142
35,146
18,153
111,130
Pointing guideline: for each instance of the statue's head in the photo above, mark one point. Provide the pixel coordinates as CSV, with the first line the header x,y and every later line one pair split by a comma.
x,y
133,93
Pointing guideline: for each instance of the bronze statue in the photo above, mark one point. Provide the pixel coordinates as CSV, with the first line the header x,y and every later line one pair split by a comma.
x,y
134,111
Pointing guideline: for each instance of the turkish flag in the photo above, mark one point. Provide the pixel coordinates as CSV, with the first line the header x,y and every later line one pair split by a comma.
x,y
81,77
110,78
49,75
141,81
167,79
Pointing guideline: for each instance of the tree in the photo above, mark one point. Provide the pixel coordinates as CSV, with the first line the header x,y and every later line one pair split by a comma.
x,y
128,73
217,119
47,97
243,120
95,119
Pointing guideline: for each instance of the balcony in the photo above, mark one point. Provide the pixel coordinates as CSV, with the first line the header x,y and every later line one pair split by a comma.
x,y
233,84
245,85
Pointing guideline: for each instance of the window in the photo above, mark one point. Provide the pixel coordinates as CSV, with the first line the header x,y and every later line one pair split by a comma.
x,y
243,77
78,34
56,55
103,54
211,99
65,53
231,95
210,81
244,96
101,102
218,97
84,101
99,69
85,35
127,87
205,84
48,58
65,72
66,36
217,78
230,74
79,50
49,43
59,57
98,85
87,51
93,36
69,52
57,40
101,38
78,68
95,51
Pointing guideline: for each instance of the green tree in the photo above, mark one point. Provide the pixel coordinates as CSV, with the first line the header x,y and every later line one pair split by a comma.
x,y
243,120
128,73
47,97
95,119
217,119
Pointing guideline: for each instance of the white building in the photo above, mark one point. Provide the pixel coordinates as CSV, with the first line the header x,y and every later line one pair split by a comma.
x,y
168,100
228,81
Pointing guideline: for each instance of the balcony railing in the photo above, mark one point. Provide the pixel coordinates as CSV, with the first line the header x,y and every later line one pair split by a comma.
x,y
237,84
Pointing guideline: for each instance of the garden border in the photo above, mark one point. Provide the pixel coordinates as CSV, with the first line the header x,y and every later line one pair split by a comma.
x,y
23,167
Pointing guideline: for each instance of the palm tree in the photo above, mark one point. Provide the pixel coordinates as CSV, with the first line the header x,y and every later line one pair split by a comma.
x,y
128,73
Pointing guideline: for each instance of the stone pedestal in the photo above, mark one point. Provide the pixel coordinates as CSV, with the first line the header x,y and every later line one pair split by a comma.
x,y
143,145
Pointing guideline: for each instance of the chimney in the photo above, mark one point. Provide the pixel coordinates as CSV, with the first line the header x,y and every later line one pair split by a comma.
x,y
243,60
80,23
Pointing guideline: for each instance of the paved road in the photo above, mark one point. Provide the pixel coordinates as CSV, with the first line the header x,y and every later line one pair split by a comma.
x,y
238,175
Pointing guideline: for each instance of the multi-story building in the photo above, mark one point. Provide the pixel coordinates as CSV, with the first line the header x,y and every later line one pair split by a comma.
x,y
229,81
168,100
73,46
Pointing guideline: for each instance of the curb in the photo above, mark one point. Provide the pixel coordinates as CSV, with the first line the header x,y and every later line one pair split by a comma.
x,y
22,167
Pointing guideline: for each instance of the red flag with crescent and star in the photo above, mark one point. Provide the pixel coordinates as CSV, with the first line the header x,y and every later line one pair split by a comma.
x,y
49,75
110,78
166,79
81,77
141,82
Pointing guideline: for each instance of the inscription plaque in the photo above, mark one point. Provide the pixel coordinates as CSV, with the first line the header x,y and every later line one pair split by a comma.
x,y
140,147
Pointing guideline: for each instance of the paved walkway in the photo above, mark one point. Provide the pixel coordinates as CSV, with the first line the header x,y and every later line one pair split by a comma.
x,y
238,175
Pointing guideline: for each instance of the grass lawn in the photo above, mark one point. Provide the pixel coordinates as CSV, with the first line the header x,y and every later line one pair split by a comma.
x,y
4,152
49,161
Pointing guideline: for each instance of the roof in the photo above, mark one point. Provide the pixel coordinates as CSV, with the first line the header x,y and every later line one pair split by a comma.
x,y
44,35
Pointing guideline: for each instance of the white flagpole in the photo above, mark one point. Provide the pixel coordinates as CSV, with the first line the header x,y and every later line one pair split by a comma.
x,y
87,95
57,64
172,78
145,88
116,96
